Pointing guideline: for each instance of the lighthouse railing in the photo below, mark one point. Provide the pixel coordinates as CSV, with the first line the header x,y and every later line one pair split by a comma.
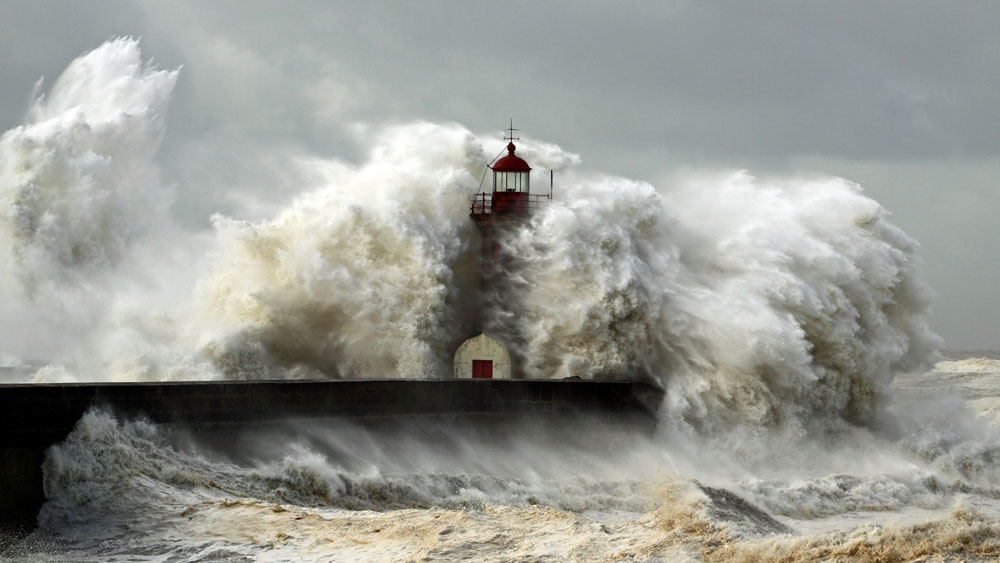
x,y
482,203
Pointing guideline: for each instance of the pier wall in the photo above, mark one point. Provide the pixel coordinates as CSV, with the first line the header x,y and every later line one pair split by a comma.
x,y
33,417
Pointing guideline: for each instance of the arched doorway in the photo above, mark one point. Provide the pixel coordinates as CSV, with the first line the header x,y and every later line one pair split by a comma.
x,y
482,357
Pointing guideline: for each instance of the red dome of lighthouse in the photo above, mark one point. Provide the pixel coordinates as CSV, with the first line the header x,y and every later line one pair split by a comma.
x,y
511,162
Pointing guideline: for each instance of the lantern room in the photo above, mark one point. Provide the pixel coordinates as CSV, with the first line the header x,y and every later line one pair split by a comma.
x,y
511,198
511,173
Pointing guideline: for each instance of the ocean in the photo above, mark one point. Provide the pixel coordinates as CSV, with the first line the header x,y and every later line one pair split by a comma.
x,y
809,413
922,486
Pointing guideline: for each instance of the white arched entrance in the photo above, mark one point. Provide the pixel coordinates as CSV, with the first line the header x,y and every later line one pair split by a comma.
x,y
482,357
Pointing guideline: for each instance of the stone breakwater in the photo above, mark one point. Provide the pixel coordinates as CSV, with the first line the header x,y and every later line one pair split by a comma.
x,y
33,417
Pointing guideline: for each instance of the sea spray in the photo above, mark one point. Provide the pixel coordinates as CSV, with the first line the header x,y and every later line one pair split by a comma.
x,y
314,490
107,467
553,491
364,277
775,311
753,301
78,180
85,232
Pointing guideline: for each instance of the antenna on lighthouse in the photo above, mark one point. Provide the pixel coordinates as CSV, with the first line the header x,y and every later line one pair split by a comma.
x,y
511,129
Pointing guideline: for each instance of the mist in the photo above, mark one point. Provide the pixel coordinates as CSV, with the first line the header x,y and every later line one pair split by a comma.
x,y
762,300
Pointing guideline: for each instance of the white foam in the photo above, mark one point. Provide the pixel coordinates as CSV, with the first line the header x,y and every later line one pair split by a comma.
x,y
87,244
78,180
754,301
776,312
969,365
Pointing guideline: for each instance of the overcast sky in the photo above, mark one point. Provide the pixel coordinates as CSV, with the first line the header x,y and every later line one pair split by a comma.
x,y
901,97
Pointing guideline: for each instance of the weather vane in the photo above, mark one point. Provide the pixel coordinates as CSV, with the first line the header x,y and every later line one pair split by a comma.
x,y
511,137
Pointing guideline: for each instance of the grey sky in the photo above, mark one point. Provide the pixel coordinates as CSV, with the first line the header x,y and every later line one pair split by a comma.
x,y
898,96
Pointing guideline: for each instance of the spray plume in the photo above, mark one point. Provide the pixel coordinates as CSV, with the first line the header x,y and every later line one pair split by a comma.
x,y
752,301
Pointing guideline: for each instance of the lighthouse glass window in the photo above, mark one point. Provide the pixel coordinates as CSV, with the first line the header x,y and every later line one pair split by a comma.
x,y
510,181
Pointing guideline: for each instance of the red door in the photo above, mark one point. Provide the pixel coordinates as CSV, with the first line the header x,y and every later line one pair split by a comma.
x,y
482,369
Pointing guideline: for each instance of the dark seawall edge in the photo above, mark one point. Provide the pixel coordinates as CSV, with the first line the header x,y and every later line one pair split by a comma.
x,y
39,414
35,416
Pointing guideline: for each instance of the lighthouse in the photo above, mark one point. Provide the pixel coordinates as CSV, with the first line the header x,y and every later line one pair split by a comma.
x,y
509,203
506,205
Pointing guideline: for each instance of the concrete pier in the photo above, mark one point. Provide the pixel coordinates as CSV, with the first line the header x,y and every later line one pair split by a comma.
x,y
33,417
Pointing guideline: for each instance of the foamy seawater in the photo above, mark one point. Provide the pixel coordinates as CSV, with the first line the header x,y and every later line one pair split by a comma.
x,y
784,317
333,490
